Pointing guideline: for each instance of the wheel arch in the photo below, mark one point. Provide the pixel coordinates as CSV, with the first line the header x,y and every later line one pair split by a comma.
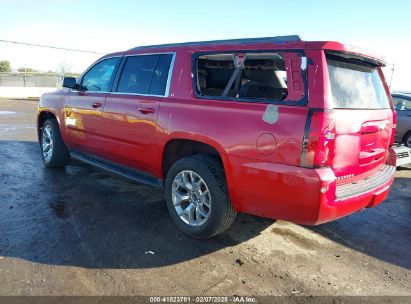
x,y
42,117
180,146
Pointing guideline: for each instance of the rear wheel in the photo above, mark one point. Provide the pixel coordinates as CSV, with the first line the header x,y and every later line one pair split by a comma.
x,y
54,152
197,197
407,139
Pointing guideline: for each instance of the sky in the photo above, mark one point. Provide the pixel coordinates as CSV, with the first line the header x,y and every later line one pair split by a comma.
x,y
107,26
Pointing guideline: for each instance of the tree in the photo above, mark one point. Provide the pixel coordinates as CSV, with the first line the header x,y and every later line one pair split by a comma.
x,y
64,67
26,70
5,66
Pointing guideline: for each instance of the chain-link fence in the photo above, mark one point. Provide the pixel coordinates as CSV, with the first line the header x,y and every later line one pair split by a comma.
x,y
31,80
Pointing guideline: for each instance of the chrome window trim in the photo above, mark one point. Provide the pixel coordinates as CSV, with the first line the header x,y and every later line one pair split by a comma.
x,y
102,92
168,83
169,76
147,54
136,94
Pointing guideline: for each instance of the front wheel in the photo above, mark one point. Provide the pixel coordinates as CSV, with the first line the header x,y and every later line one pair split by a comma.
x,y
54,151
197,197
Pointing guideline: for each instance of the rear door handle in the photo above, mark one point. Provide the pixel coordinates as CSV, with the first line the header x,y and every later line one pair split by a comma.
x,y
97,105
146,110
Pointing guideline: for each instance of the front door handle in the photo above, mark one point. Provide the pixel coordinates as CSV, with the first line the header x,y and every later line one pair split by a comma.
x,y
97,105
146,110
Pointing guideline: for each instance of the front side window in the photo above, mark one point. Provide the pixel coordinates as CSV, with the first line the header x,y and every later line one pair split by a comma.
x,y
242,76
145,74
98,78
355,83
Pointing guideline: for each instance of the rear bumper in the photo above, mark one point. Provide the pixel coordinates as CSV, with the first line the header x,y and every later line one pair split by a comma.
x,y
349,198
369,184
301,195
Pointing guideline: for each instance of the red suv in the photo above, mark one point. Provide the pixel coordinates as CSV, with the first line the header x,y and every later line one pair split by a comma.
x,y
277,127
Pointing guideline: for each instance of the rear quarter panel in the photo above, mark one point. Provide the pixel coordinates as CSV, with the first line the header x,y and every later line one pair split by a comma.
x,y
236,130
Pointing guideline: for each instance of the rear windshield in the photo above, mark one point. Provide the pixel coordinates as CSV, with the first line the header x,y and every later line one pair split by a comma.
x,y
355,83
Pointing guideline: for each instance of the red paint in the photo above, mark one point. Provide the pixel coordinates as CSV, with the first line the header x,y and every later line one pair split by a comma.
x,y
263,163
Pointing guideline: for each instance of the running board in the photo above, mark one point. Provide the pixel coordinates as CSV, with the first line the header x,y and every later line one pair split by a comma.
x,y
110,167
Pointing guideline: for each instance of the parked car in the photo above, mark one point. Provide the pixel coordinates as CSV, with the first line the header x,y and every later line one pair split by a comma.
x,y
219,129
402,103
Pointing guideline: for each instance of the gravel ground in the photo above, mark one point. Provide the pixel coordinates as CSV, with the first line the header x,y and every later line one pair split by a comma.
x,y
79,231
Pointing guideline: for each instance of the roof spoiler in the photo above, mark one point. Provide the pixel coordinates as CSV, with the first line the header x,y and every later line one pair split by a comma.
x,y
372,61
276,40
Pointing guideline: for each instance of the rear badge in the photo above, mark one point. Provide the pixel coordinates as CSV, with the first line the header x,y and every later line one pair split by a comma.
x,y
344,177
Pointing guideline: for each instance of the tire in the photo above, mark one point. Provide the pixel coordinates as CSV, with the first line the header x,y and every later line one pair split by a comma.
x,y
57,155
407,139
215,203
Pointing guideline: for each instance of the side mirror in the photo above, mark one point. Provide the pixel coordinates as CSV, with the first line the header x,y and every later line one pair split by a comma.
x,y
69,82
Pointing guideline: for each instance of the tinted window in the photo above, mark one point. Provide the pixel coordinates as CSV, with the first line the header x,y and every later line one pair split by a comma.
x,y
356,84
401,104
160,75
146,74
99,76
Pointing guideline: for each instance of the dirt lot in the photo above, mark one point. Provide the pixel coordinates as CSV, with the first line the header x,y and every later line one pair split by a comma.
x,y
78,231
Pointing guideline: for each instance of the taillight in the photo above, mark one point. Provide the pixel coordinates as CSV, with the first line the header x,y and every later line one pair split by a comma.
x,y
393,127
319,135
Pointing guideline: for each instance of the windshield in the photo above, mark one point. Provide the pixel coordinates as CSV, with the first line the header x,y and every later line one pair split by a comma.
x,y
355,83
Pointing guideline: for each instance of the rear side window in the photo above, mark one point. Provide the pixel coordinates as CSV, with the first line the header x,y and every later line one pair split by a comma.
x,y
251,76
145,74
160,75
355,83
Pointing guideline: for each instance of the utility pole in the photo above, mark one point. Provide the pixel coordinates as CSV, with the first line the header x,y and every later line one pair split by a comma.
x,y
24,77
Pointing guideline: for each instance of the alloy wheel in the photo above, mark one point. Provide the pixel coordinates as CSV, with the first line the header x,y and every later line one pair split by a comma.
x,y
191,198
47,142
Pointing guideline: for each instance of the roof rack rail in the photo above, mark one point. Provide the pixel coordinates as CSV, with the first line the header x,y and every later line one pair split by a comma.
x,y
277,39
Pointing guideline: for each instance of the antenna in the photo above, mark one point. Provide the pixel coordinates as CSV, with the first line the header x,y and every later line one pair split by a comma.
x,y
392,74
